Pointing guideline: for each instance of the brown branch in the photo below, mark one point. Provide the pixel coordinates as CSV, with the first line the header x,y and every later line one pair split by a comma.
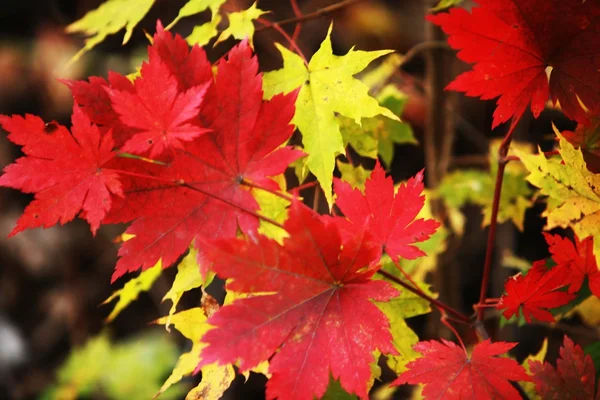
x,y
441,306
489,251
314,15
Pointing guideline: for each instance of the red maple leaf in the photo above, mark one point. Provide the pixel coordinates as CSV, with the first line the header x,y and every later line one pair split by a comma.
x,y
573,378
64,169
579,261
514,43
201,192
164,117
449,373
535,293
92,97
190,68
318,318
390,215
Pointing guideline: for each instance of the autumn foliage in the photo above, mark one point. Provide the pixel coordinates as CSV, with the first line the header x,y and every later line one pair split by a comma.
x,y
192,157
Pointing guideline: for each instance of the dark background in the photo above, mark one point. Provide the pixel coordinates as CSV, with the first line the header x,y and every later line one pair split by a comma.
x,y
52,281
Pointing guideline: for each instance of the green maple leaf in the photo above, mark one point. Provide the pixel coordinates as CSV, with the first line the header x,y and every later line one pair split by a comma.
x,y
109,19
328,88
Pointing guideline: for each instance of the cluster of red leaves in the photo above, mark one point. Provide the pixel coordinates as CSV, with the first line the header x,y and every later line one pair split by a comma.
x,y
514,45
545,288
174,152
317,320
195,140
573,378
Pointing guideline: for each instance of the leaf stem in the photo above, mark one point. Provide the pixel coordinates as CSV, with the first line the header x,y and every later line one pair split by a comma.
x,y
441,306
316,14
298,14
489,251
283,33
448,325
305,186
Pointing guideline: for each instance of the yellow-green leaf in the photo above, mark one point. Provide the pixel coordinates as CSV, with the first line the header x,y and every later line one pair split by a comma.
x,y
380,75
192,324
378,135
573,191
241,24
328,87
193,7
273,207
202,34
216,380
131,290
108,19
355,176
445,4
188,277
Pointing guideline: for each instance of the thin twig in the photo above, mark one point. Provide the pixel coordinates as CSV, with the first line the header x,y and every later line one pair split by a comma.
x,y
427,45
298,14
489,251
441,306
314,15
283,33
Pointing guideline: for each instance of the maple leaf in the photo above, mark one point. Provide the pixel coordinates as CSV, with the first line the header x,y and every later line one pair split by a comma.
x,y
93,99
65,170
587,138
578,259
449,373
241,24
200,193
108,19
535,292
193,324
573,378
390,215
513,44
318,318
161,114
191,68
573,191
326,83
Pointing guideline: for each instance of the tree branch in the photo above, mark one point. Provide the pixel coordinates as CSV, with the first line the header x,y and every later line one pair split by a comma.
x,y
314,15
489,251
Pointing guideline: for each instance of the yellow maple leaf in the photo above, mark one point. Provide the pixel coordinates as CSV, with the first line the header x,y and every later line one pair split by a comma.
x,y
328,87
108,19
573,191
